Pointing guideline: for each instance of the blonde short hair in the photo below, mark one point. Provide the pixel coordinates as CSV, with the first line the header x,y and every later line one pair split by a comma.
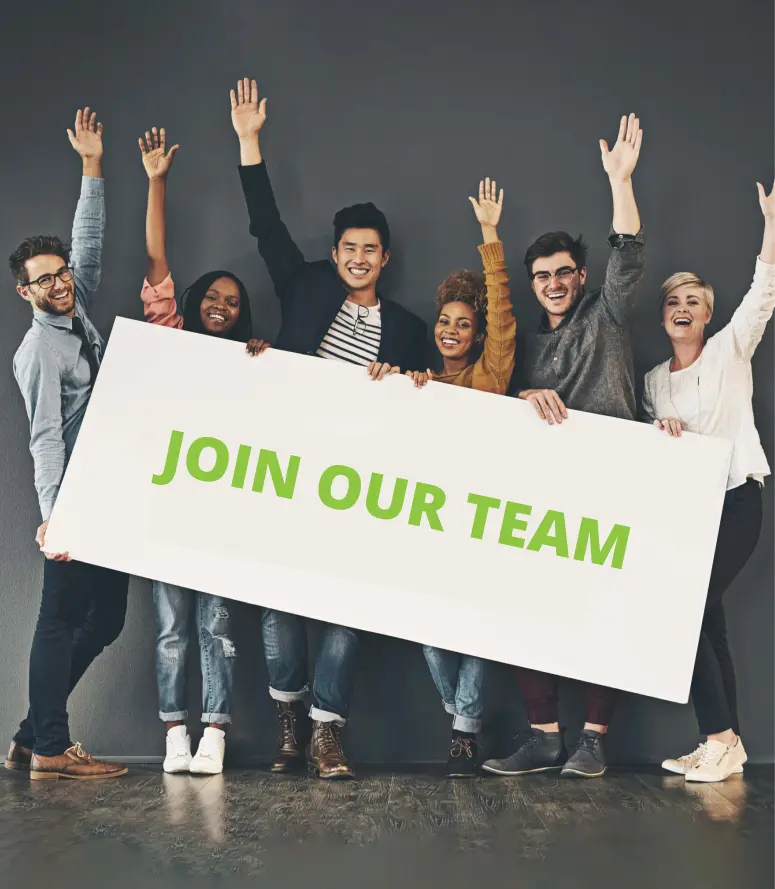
x,y
679,279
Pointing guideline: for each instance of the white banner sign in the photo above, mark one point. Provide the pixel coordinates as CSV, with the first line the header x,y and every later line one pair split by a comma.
x,y
443,515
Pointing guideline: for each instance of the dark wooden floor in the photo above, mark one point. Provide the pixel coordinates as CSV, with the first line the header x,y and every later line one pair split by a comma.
x,y
247,828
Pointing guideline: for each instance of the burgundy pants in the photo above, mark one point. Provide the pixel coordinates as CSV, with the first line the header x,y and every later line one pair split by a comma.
x,y
539,691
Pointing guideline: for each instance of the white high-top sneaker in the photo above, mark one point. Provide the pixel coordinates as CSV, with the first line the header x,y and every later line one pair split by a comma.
x,y
718,761
178,758
208,759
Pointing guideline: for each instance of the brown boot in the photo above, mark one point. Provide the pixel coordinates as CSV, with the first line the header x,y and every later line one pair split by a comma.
x,y
326,757
18,759
294,730
75,762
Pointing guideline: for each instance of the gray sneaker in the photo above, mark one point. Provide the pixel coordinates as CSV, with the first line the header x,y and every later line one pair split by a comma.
x,y
588,759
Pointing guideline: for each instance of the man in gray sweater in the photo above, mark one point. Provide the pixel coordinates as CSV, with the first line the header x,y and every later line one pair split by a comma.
x,y
580,357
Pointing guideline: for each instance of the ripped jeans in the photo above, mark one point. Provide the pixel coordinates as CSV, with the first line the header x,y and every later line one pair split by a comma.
x,y
174,626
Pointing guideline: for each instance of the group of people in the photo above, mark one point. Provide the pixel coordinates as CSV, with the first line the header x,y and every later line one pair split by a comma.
x,y
579,358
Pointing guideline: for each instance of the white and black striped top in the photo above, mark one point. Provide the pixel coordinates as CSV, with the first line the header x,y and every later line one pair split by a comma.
x,y
354,335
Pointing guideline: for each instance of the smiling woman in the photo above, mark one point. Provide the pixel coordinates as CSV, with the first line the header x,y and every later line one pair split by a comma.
x,y
216,304
707,388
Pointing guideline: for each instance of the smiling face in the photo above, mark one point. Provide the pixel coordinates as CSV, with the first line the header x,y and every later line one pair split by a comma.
x,y
59,298
557,282
456,331
220,306
359,258
685,313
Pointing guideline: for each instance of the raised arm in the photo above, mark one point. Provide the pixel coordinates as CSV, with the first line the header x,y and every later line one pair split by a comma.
x,y
754,312
624,274
157,162
278,250
496,362
89,220
158,293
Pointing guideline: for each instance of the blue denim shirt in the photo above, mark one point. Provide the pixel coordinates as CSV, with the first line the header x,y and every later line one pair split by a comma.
x,y
52,371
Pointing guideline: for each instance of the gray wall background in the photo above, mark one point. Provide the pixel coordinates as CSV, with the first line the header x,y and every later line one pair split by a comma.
x,y
408,105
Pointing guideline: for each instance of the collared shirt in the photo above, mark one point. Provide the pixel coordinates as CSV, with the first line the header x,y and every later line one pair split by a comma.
x,y
713,396
587,358
50,367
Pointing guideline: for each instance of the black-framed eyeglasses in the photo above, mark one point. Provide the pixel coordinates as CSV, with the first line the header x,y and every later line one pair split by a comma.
x,y
46,282
360,319
563,275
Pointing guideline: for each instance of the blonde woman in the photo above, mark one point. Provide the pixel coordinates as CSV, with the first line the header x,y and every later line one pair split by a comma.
x,y
707,387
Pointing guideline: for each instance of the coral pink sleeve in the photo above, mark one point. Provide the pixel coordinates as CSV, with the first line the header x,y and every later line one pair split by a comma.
x,y
159,304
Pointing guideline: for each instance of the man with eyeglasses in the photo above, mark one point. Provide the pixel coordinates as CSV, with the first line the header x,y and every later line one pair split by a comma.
x,y
331,310
82,606
580,358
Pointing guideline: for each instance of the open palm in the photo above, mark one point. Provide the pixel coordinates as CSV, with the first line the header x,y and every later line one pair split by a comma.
x,y
620,161
156,159
767,201
86,136
489,206
247,113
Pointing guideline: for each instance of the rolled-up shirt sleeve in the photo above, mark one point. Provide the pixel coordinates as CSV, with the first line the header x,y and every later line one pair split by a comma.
x,y
38,374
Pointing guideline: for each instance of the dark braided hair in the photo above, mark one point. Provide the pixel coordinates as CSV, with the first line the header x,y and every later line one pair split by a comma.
x,y
191,302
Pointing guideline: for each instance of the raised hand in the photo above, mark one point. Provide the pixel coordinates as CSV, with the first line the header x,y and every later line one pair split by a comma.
x,y
767,201
156,159
86,139
247,114
620,161
488,207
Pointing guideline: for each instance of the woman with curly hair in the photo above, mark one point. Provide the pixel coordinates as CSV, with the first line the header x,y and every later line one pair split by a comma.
x,y
475,334
216,304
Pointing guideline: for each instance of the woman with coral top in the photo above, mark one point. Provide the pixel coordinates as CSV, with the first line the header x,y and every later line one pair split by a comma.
x,y
216,304
475,334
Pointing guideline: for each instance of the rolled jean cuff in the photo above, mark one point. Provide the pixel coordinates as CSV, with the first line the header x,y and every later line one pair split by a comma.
x,y
288,696
220,718
325,716
463,723
173,717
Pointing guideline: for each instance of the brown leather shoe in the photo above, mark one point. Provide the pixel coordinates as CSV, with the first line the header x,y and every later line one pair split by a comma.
x,y
75,762
293,729
326,757
18,758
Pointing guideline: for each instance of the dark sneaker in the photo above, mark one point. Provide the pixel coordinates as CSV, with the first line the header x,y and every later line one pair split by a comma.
x,y
541,752
463,755
18,758
294,728
588,759
326,757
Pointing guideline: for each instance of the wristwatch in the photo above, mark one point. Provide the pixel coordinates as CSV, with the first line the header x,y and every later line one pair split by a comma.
x,y
618,241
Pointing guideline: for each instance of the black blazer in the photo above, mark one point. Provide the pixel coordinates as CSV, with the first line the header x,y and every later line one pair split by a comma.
x,y
311,293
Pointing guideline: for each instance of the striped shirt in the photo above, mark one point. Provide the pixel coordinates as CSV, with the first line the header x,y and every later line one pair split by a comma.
x,y
354,335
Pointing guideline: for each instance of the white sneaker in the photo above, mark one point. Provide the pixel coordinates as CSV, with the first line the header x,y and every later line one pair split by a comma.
x,y
208,759
718,761
178,758
684,763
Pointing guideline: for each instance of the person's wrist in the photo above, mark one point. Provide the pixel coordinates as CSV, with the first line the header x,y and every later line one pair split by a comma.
x,y
489,233
92,166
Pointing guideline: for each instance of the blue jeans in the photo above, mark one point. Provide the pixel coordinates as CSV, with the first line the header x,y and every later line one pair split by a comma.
x,y
82,611
174,628
459,679
285,650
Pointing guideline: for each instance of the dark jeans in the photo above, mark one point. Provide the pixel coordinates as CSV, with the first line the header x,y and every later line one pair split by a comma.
x,y
714,690
539,691
82,611
285,650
